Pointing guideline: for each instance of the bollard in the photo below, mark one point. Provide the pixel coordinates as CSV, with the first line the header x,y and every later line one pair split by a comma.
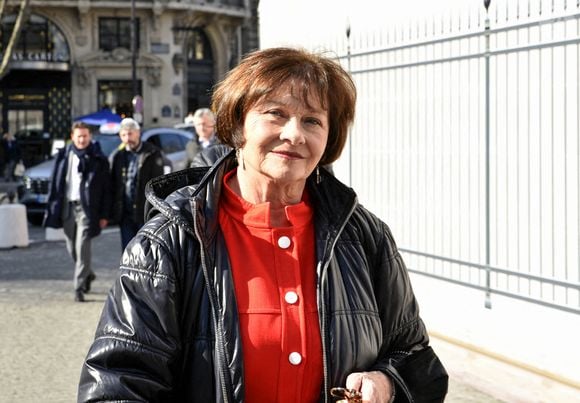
x,y
14,226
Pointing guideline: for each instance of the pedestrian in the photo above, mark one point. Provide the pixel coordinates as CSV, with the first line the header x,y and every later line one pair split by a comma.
x,y
203,121
262,279
2,157
79,201
188,120
12,156
134,164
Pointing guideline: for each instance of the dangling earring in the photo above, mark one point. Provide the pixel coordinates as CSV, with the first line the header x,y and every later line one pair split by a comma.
x,y
317,174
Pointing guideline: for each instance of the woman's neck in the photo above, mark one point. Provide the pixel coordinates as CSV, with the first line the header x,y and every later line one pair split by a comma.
x,y
265,190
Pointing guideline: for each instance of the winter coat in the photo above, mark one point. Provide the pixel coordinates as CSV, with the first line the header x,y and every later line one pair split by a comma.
x,y
149,166
208,156
169,331
11,150
95,189
193,148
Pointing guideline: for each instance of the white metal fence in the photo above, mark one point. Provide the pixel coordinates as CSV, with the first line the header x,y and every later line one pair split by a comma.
x,y
470,149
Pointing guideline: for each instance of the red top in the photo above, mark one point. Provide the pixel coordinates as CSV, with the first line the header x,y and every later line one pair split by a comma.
x,y
274,272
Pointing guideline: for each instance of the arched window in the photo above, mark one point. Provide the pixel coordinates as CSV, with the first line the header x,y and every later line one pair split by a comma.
x,y
199,47
199,70
40,41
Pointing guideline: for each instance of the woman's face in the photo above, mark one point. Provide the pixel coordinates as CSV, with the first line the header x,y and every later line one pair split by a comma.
x,y
284,138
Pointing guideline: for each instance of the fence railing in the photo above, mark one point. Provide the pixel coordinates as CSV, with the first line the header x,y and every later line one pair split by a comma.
x,y
467,144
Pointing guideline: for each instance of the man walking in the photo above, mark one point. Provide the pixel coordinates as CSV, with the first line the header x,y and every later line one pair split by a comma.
x,y
204,123
134,164
79,201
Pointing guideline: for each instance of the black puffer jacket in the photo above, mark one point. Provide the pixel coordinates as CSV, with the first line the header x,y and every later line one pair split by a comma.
x,y
169,329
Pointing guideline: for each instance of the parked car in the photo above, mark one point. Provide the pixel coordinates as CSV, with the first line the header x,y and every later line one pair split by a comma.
x,y
172,142
33,189
34,145
185,126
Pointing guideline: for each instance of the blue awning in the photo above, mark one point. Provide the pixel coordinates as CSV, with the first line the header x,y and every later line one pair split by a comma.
x,y
99,118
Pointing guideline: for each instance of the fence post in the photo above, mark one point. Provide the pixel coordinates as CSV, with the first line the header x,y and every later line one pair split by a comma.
x,y
487,162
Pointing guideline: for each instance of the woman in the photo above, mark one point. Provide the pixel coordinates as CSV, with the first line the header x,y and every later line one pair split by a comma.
x,y
261,279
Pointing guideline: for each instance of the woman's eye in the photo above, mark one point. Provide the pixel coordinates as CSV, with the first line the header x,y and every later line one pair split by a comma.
x,y
274,112
314,121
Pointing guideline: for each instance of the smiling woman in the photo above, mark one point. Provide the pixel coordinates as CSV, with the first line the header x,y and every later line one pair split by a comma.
x,y
284,140
265,263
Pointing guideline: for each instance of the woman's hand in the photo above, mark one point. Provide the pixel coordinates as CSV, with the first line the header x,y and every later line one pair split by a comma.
x,y
374,386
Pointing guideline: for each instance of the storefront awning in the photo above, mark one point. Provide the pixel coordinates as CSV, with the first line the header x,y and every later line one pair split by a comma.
x,y
99,118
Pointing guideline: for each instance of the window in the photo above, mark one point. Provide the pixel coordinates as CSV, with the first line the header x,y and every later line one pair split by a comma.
x,y
39,40
168,142
117,95
116,33
200,75
199,47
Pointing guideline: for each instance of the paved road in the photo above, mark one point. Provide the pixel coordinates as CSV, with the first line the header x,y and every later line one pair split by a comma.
x,y
44,335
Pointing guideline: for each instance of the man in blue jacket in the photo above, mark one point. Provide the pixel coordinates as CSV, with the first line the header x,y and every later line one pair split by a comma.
x,y
79,201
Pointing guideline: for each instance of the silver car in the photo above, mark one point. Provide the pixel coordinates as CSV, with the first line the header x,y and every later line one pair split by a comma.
x,y
33,190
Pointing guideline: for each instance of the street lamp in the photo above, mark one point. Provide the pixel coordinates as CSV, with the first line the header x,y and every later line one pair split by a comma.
x,y
133,50
137,100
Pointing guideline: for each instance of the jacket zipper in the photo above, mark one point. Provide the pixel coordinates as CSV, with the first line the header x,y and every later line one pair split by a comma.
x,y
213,301
321,305
323,330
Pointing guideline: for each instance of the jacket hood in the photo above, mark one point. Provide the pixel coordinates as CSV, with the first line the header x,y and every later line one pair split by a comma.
x,y
173,194
177,194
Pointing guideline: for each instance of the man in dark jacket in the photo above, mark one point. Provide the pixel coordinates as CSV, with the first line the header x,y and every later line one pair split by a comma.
x,y
79,201
204,123
12,154
134,164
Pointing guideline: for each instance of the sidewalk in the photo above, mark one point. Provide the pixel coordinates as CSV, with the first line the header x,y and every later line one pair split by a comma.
x,y
472,371
45,335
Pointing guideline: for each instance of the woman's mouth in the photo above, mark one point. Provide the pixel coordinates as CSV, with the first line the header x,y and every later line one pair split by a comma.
x,y
288,154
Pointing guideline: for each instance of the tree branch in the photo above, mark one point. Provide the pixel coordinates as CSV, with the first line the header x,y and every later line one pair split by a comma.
x,y
14,37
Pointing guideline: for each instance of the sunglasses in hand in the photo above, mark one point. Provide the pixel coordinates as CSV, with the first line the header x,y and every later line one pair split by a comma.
x,y
347,395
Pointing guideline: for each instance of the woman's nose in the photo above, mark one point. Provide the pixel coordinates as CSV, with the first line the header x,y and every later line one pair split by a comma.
x,y
293,132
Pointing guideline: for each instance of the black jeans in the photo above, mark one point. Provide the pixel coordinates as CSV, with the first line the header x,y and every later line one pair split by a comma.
x,y
128,229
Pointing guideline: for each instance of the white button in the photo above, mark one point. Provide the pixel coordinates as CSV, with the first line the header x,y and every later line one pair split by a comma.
x,y
284,242
291,297
295,358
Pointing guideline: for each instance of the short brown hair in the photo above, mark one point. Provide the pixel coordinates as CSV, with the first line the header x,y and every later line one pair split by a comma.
x,y
80,125
264,71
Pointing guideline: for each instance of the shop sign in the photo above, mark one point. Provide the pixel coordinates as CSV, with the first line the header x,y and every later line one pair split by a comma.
x,y
21,56
159,48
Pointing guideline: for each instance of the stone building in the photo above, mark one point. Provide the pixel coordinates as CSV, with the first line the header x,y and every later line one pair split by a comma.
x,y
75,57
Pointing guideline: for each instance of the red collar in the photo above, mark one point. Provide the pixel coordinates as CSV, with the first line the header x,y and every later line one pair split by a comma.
x,y
258,215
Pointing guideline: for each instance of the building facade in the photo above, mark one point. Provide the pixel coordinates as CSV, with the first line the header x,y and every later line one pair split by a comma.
x,y
76,57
